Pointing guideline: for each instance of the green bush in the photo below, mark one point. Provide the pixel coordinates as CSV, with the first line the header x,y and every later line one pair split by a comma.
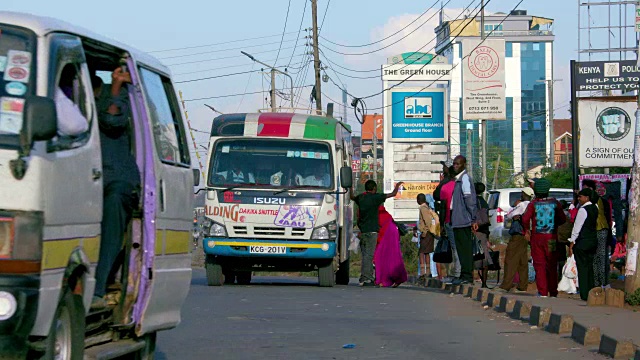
x,y
634,299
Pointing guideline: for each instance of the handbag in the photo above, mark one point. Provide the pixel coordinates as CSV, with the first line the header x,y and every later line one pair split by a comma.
x,y
516,228
442,253
402,229
478,251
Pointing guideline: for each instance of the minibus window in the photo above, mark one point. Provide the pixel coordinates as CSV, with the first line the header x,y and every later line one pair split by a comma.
x,y
17,74
168,129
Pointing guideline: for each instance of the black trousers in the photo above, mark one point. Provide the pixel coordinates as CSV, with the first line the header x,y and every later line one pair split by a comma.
x,y
120,198
464,246
584,253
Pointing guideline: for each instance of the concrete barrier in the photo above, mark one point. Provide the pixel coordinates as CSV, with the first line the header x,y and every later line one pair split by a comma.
x,y
539,316
521,310
560,324
617,349
506,304
586,335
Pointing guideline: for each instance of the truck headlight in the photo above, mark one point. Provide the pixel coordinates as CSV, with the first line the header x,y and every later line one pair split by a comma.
x,y
8,305
212,228
325,232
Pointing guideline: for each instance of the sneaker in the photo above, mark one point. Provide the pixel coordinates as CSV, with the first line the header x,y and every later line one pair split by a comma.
x,y
458,281
98,303
542,296
368,284
448,280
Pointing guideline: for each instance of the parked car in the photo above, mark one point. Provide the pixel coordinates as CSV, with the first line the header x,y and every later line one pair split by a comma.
x,y
502,200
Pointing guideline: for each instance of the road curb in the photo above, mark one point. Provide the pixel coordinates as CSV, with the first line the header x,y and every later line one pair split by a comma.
x,y
543,317
586,335
560,324
617,349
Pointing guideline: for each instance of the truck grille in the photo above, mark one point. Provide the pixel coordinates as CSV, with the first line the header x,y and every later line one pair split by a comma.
x,y
270,232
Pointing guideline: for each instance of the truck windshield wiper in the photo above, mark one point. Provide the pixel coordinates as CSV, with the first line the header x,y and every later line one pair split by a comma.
x,y
297,187
236,187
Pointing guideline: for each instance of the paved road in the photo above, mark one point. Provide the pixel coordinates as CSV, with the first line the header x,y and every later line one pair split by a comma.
x,y
291,318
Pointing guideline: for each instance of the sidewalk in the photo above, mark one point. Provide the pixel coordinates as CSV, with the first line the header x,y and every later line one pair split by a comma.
x,y
612,330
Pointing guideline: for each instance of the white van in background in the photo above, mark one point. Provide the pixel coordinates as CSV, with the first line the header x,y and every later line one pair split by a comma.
x,y
502,200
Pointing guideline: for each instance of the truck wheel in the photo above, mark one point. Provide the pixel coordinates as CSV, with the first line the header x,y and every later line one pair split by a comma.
x,y
342,275
326,275
244,277
66,337
214,272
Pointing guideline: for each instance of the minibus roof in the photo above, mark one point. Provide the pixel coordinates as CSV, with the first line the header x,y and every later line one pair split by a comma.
x,y
43,25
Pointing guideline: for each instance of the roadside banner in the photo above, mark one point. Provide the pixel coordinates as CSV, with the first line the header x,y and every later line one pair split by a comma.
x,y
483,80
606,136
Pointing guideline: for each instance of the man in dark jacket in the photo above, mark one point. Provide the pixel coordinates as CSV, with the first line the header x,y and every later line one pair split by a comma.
x,y
121,177
463,219
584,242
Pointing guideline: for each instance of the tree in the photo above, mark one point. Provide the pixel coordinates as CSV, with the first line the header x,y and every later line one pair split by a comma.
x,y
559,178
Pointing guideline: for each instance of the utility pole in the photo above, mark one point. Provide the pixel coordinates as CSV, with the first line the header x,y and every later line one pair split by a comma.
x,y
526,160
632,280
552,140
316,55
495,172
375,154
483,123
470,150
273,80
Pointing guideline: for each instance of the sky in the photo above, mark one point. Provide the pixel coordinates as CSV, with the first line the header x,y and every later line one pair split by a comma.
x,y
207,34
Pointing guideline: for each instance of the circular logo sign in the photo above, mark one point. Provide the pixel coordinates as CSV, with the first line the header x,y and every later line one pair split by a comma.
x,y
613,123
484,62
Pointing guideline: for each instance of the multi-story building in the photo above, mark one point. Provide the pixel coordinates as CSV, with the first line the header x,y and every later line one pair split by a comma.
x,y
528,65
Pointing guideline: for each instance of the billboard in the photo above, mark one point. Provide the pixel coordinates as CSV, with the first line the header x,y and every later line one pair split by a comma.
x,y
483,80
606,131
410,190
607,75
414,72
371,122
418,115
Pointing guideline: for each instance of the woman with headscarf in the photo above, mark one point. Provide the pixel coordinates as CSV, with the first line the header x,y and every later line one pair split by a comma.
x,y
390,270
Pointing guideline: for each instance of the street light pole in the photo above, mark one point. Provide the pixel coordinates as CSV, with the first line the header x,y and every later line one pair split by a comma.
x,y
273,80
552,140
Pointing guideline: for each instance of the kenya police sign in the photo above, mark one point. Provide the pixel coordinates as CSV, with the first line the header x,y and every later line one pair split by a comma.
x,y
607,75
606,136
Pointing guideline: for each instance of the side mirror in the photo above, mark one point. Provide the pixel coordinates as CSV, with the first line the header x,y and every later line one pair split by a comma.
x,y
40,120
196,177
346,177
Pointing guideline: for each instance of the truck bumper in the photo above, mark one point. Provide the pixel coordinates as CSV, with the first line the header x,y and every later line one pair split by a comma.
x,y
238,247
21,291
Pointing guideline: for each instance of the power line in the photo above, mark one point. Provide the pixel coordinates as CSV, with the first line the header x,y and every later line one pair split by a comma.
x,y
304,11
246,87
224,57
324,16
286,19
377,70
389,36
228,67
217,76
220,43
386,46
229,49
232,95
451,41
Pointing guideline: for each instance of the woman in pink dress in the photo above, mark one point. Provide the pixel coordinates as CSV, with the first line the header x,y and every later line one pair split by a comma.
x,y
390,269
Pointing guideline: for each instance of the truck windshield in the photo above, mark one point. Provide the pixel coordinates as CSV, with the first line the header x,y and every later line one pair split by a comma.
x,y
271,163
17,59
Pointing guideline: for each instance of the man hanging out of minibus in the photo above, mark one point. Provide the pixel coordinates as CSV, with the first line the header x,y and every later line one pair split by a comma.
x,y
121,179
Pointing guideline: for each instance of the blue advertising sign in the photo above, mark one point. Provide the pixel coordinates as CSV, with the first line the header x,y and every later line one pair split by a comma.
x,y
418,116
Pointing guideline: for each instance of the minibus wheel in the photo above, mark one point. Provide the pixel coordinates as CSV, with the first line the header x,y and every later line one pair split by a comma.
x,y
215,277
66,337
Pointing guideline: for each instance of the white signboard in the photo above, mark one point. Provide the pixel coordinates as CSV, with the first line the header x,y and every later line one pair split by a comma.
x,y
606,132
416,72
483,80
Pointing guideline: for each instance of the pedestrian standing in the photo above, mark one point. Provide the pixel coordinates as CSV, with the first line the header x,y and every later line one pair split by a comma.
x,y
516,259
368,207
603,229
540,222
584,242
443,195
463,219
482,219
429,226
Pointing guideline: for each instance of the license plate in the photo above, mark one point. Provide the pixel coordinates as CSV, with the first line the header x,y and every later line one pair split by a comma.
x,y
267,249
